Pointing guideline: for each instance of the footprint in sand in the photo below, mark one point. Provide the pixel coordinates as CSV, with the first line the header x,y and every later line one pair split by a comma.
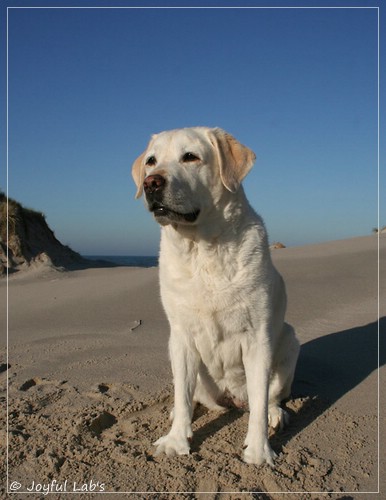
x,y
4,367
28,384
102,422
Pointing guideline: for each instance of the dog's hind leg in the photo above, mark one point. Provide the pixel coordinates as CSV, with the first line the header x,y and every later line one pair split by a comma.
x,y
282,376
207,392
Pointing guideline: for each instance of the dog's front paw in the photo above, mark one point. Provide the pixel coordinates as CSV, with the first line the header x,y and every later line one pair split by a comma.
x,y
172,445
254,455
277,417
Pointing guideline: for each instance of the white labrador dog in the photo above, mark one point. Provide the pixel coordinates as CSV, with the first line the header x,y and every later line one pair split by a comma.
x,y
223,297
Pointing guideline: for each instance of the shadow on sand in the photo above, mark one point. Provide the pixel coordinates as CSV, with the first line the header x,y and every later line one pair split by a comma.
x,y
331,366
328,368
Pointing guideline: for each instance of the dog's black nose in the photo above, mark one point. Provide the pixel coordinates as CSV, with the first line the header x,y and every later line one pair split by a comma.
x,y
154,183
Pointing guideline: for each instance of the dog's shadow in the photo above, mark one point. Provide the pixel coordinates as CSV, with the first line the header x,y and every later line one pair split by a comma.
x,y
328,368
333,365
213,426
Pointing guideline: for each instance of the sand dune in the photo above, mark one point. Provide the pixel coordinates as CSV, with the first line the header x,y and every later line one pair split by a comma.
x,y
90,385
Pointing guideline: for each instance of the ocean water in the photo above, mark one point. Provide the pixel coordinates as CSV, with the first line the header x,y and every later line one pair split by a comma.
x,y
126,260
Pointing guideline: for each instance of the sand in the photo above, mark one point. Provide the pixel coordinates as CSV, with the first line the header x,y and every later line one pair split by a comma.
x,y
90,386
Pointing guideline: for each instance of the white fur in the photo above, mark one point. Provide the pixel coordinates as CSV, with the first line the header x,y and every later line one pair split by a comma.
x,y
223,297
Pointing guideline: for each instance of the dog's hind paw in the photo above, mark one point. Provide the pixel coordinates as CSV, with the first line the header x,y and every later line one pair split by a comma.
x,y
172,445
277,417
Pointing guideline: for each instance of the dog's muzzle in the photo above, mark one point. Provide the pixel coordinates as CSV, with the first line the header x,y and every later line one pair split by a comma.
x,y
154,187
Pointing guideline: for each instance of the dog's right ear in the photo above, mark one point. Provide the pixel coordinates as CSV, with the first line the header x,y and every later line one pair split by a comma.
x,y
235,160
138,173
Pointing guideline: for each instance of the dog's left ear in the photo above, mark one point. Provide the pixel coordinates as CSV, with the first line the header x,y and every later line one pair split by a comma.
x,y
235,160
138,173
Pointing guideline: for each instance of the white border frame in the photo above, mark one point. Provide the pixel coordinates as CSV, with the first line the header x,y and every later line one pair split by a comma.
x,y
378,249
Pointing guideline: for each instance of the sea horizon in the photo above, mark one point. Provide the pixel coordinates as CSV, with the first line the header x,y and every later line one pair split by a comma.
x,y
127,260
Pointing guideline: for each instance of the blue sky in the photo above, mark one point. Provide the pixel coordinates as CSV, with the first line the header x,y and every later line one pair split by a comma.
x,y
87,88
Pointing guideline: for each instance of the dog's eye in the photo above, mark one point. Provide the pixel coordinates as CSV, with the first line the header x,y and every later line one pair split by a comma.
x,y
188,157
151,161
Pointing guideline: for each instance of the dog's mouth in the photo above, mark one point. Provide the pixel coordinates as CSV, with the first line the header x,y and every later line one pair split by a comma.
x,y
161,211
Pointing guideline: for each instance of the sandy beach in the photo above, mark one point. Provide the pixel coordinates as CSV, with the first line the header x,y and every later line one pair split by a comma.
x,y
90,386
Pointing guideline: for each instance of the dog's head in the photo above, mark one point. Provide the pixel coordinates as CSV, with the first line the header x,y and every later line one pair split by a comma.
x,y
185,172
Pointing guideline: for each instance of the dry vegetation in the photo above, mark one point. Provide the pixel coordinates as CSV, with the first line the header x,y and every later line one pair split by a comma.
x,y
26,239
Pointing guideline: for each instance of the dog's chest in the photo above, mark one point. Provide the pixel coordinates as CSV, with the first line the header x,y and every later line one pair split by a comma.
x,y
206,281
209,288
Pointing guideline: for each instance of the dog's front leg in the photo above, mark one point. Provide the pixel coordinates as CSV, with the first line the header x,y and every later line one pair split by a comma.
x,y
257,364
185,362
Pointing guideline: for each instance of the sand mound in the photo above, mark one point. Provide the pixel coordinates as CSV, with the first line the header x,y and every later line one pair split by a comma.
x,y
30,243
